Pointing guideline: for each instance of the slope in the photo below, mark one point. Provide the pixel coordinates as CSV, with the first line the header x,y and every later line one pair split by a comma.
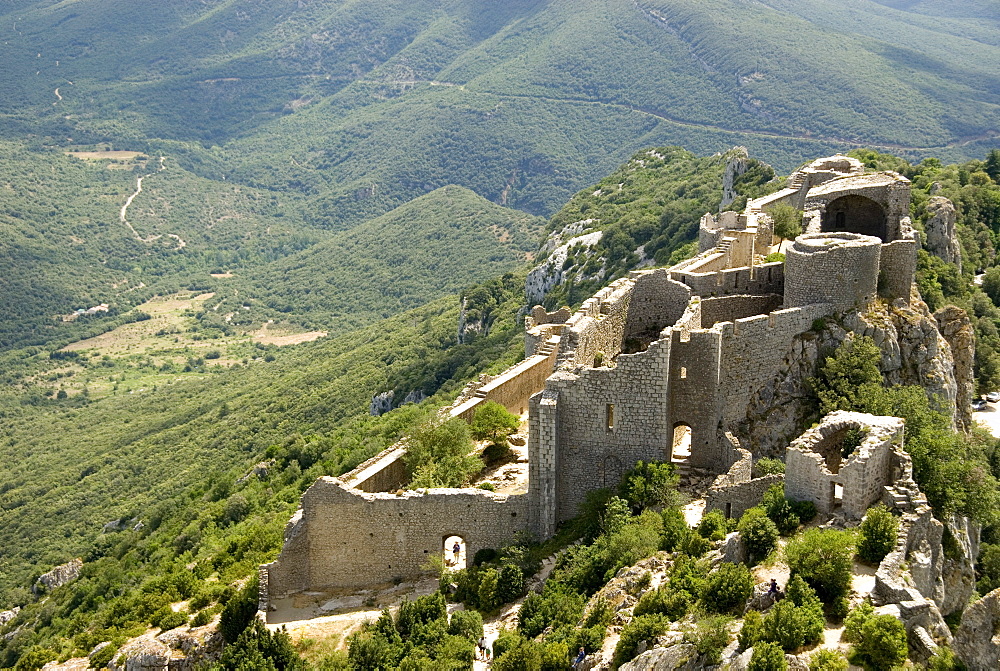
x,y
432,246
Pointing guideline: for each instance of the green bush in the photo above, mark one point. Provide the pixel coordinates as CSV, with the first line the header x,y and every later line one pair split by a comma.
x,y
780,510
494,423
650,484
877,534
467,623
767,657
524,656
943,660
201,618
438,454
258,648
824,558
239,611
791,627
758,533
883,643
713,526
642,628
103,657
828,660
728,588
768,466
165,619
855,620
710,638
675,530
752,630
673,603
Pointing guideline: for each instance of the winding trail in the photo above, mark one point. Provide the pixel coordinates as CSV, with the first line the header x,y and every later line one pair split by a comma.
x,y
123,215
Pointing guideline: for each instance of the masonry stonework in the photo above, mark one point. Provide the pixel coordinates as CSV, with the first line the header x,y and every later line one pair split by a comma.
x,y
646,359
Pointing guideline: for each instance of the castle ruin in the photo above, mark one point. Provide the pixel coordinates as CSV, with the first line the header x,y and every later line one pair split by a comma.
x,y
659,365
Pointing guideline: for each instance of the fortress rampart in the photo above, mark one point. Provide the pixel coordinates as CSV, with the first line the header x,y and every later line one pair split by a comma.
x,y
653,359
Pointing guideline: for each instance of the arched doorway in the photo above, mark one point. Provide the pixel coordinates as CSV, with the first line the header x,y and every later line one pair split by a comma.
x,y
455,551
611,471
855,214
680,444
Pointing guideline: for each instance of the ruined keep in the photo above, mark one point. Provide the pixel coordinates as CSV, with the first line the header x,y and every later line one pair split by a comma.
x,y
659,365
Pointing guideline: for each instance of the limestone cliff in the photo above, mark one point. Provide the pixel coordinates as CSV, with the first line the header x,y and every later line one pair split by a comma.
x,y
914,352
940,229
737,165
955,326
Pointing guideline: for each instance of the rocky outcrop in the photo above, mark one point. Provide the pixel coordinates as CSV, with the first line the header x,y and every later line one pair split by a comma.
x,y
58,576
940,230
736,166
178,649
956,328
975,642
142,654
8,615
550,272
681,657
913,353
381,403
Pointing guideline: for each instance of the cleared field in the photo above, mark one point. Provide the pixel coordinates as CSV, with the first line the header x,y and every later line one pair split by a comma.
x,y
114,155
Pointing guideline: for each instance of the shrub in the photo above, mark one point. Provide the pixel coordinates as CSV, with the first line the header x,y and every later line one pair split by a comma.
x,y
758,533
496,453
239,611
823,557
258,648
943,660
828,660
752,630
467,623
855,620
101,658
524,656
555,656
883,643
510,583
673,603
201,618
437,454
806,510
710,638
767,657
877,534
694,545
675,530
493,422
779,509
642,628
713,526
166,619
792,627
729,587
768,466
649,484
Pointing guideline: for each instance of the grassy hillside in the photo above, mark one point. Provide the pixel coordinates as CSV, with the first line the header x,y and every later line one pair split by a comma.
x,y
361,107
432,246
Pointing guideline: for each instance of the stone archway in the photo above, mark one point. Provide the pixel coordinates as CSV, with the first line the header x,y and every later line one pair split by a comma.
x,y
680,444
855,214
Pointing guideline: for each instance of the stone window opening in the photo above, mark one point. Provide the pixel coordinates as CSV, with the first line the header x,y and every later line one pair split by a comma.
x,y
454,561
836,495
610,416
684,372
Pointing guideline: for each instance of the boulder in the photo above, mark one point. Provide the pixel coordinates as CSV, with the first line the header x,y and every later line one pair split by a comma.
x,y
142,654
683,657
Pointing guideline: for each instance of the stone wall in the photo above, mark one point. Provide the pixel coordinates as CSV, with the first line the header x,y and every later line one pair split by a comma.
x,y
599,325
384,472
879,461
753,350
836,268
657,302
897,269
730,308
344,538
605,420
734,500
768,278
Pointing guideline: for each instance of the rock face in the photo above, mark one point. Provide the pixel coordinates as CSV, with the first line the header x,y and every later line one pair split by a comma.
x,y
955,326
550,272
58,576
675,658
175,650
913,353
381,403
975,642
736,166
940,229
142,654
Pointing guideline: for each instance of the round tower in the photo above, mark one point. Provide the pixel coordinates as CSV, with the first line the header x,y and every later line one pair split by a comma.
x,y
836,268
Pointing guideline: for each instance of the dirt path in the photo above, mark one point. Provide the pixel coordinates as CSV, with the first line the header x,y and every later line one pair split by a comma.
x,y
123,215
